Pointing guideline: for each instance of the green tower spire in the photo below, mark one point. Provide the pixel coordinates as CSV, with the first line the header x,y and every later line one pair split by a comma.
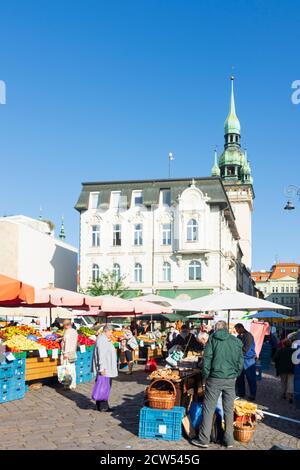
x,y
232,123
233,163
215,171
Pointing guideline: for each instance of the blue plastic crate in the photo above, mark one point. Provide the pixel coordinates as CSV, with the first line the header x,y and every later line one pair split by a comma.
x,y
6,371
161,424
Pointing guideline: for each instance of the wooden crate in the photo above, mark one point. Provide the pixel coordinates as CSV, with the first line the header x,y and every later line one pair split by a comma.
x,y
41,368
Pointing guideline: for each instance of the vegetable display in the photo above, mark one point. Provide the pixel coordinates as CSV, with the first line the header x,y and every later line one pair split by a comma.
x,y
84,340
48,343
86,331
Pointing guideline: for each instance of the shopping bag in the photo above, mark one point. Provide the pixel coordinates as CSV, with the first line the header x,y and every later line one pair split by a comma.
x,y
195,414
151,365
64,373
101,388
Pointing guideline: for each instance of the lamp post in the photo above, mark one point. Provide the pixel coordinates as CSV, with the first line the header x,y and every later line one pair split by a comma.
x,y
291,192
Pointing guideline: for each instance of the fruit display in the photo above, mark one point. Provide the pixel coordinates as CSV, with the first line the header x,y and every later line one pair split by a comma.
x,y
23,330
86,331
84,340
48,343
20,343
146,339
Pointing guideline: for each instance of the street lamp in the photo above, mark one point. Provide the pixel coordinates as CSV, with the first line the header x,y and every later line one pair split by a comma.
x,y
289,206
292,192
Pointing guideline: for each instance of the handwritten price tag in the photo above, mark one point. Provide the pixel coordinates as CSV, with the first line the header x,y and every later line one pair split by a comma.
x,y
54,353
43,352
10,357
82,348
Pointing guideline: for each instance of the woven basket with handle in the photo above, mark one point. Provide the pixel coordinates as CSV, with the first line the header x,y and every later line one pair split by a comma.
x,y
243,430
161,394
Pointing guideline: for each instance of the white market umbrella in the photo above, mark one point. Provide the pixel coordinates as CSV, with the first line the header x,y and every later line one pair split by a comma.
x,y
232,300
175,304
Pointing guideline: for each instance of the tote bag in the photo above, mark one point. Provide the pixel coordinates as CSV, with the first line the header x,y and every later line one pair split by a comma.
x,y
101,388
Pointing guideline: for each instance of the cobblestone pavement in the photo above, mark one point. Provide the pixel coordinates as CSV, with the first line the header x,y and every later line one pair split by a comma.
x,y
51,418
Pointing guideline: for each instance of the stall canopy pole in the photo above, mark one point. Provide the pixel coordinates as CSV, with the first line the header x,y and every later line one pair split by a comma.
x,y
228,318
50,312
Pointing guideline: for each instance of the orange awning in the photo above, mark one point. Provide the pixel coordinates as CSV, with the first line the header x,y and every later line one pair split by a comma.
x,y
14,290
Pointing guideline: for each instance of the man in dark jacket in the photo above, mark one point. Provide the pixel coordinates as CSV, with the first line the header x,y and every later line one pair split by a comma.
x,y
249,369
222,363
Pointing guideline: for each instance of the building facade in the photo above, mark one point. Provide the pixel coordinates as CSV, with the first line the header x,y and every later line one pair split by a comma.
x,y
176,237
30,252
280,285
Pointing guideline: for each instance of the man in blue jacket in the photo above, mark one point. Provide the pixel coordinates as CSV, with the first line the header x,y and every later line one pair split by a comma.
x,y
249,370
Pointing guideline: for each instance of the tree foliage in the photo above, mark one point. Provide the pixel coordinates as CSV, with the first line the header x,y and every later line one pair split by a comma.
x,y
107,284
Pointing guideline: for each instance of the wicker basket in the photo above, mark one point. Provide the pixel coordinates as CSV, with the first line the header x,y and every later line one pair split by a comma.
x,y
161,394
243,430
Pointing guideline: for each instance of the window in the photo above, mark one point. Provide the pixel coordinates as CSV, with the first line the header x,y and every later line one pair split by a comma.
x,y
167,272
166,197
192,231
282,270
115,199
273,289
276,289
282,300
95,272
231,171
194,271
94,200
138,235
293,270
117,235
166,234
138,198
117,271
138,272
282,289
95,235
287,289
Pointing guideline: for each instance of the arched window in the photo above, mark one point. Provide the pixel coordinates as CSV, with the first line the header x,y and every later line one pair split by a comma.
x,y
138,272
117,271
166,272
95,272
192,230
195,271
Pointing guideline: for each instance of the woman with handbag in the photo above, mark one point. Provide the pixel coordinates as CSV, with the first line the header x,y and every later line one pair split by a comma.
x,y
104,365
69,348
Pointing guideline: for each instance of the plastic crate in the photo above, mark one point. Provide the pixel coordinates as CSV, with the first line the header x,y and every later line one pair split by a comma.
x,y
161,424
6,371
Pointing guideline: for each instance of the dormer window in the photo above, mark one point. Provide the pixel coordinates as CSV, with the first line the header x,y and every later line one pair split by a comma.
x,y
115,199
94,200
138,199
165,197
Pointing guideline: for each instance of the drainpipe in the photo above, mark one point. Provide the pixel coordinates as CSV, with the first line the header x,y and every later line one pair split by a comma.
x,y
153,247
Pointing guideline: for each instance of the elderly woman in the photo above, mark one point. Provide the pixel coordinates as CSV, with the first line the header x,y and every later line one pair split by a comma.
x,y
105,362
203,338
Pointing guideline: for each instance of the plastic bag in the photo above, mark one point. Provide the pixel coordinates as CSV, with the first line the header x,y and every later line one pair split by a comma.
x,y
196,414
101,388
151,365
64,374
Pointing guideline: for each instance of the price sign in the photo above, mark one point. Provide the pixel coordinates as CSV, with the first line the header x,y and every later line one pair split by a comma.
x,y
54,353
43,352
10,357
82,348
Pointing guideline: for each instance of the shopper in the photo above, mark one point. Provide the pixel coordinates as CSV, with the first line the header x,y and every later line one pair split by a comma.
x,y
249,369
69,348
128,345
222,364
105,362
285,369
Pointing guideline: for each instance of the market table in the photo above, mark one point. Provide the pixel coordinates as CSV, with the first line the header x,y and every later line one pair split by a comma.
x,y
41,368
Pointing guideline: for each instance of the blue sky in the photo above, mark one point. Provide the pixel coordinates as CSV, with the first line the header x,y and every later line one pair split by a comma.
x,y
101,90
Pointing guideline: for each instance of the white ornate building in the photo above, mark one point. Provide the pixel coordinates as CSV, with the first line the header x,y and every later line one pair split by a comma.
x,y
176,237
